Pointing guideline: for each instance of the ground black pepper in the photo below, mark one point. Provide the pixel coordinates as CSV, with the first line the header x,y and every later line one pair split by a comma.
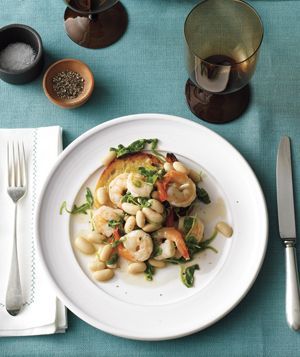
x,y
67,84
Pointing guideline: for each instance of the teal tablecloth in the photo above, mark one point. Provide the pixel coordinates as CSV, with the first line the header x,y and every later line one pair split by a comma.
x,y
144,72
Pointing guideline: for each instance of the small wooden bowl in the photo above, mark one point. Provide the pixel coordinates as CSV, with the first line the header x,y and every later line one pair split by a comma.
x,y
69,65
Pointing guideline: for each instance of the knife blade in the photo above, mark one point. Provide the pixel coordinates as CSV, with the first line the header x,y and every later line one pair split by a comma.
x,y
287,231
285,195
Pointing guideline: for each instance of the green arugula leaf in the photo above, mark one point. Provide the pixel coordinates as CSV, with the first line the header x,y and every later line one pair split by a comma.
x,y
89,197
207,241
180,211
138,146
63,207
143,202
196,247
112,223
82,208
187,275
149,272
202,195
188,224
191,240
129,198
155,152
134,147
138,201
157,250
154,143
113,259
152,175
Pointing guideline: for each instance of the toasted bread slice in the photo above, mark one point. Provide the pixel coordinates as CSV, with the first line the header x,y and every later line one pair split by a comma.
x,y
129,163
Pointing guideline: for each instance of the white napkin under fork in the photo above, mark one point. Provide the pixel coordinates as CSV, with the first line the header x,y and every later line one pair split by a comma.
x,y
42,312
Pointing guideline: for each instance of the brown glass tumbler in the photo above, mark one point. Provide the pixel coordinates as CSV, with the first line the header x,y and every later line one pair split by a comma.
x,y
223,38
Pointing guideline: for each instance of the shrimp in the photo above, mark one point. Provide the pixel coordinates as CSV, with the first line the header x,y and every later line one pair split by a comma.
x,y
102,216
117,188
175,236
167,249
136,246
196,229
137,186
177,188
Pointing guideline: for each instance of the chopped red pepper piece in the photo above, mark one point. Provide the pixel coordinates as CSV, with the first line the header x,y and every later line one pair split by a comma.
x,y
170,218
162,192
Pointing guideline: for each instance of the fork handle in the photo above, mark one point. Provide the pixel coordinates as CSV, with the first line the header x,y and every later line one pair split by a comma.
x,y
14,298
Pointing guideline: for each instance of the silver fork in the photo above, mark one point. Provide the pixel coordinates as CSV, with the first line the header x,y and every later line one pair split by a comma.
x,y
16,182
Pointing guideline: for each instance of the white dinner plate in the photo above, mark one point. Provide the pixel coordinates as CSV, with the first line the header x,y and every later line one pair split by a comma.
x,y
132,307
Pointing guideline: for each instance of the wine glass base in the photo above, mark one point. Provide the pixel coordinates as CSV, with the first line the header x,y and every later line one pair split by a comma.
x,y
216,108
98,30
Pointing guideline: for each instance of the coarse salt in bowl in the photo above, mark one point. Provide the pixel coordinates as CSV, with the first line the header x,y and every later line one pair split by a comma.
x,y
21,54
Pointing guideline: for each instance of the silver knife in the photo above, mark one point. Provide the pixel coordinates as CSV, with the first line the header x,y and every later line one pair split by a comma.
x,y
287,231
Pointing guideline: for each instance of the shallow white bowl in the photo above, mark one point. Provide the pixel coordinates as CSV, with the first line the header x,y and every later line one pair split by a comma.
x,y
165,308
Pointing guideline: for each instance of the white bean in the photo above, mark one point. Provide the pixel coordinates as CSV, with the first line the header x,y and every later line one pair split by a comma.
x,y
130,208
103,275
155,195
96,265
195,176
224,229
178,166
140,219
105,253
102,195
156,206
84,246
152,216
168,166
136,268
108,158
130,224
94,237
151,227
157,263
112,266
100,247
119,212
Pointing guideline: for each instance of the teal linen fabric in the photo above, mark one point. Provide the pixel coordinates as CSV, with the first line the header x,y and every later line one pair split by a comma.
x,y
144,72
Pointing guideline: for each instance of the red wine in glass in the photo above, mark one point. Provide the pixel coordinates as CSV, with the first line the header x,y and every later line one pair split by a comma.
x,y
223,40
220,74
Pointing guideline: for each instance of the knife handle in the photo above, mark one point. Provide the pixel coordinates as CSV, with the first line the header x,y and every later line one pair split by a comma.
x,y
292,297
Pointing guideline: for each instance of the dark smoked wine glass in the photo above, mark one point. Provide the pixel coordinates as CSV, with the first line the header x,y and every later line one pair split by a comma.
x,y
95,23
223,38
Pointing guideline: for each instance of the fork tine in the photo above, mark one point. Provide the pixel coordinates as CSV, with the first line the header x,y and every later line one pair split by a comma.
x,y
13,166
18,164
8,165
24,178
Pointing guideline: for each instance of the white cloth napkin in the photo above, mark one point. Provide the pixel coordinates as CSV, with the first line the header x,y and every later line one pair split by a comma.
x,y
42,312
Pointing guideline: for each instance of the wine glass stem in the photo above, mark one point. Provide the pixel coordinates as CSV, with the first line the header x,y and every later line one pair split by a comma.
x,y
92,16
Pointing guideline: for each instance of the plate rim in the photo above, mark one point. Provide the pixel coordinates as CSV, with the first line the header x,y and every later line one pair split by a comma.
x,y
81,138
